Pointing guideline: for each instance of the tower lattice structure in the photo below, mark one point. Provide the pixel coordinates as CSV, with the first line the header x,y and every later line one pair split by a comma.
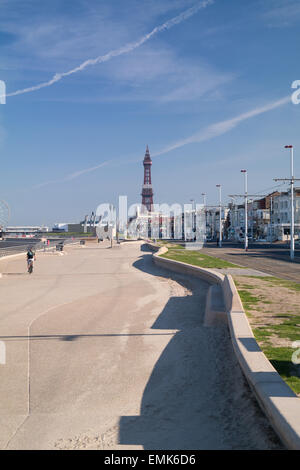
x,y
147,191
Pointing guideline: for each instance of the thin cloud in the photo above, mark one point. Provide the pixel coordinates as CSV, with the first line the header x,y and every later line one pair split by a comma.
x,y
86,170
222,127
72,176
283,14
121,51
208,133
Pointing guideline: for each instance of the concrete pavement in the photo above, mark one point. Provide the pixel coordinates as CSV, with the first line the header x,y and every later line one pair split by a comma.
x,y
106,351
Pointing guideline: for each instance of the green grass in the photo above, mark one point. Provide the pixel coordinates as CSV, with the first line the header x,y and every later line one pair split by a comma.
x,y
262,335
196,258
283,283
288,329
275,281
281,359
244,286
170,246
248,300
174,247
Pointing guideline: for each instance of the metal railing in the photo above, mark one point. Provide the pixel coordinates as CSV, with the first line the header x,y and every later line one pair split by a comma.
x,y
37,246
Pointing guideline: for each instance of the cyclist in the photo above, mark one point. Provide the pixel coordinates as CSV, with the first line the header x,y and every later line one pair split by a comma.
x,y
30,257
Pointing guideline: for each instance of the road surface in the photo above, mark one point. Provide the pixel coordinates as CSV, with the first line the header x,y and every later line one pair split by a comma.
x,y
106,351
273,260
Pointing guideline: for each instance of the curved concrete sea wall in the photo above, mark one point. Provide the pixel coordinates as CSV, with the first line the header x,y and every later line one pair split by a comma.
x,y
280,404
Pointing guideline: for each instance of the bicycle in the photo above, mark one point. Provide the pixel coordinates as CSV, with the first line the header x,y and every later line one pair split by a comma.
x,y
30,266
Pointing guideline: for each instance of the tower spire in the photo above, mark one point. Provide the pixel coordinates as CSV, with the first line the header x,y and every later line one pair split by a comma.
x,y
147,191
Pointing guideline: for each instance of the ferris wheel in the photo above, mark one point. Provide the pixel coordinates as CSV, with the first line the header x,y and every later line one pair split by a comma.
x,y
4,214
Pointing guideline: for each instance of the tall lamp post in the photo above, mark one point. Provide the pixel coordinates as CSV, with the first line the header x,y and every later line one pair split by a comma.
x,y
271,219
233,217
193,219
204,204
246,209
220,215
292,229
291,180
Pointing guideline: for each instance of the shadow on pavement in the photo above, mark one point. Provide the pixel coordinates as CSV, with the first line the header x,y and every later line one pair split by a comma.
x,y
76,337
196,397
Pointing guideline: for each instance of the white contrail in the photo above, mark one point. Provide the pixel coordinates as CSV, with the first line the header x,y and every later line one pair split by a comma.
x,y
208,133
221,127
117,52
72,176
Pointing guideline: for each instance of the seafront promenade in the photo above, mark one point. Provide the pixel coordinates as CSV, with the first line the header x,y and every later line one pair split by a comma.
x,y
104,350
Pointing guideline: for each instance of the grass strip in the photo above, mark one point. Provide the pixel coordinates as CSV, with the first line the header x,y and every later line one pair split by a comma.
x,y
196,258
288,329
276,281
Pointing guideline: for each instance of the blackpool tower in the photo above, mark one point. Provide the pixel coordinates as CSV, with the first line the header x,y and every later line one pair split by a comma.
x,y
147,191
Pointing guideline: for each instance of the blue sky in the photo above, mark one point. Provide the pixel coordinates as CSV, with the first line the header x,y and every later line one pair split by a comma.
x,y
209,95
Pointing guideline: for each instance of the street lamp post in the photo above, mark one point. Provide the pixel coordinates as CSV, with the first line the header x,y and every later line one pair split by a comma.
x,y
193,219
246,209
252,218
292,243
233,221
204,204
291,180
271,219
220,215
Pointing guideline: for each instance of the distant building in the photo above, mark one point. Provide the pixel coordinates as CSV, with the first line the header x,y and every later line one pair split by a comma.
x,y
60,227
26,229
81,227
88,225
281,215
213,222
259,215
268,217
